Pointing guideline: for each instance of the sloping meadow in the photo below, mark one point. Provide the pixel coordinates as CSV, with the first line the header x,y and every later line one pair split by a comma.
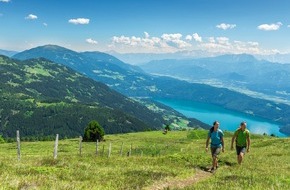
x,y
145,160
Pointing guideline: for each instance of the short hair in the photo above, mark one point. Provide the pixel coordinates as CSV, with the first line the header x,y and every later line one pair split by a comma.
x,y
243,123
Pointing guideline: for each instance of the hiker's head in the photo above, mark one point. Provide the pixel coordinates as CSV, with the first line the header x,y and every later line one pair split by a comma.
x,y
243,125
216,124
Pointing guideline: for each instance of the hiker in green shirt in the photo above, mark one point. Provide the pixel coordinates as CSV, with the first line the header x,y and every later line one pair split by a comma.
x,y
242,139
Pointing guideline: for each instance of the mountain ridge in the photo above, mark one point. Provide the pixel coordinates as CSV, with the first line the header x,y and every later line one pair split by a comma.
x,y
41,98
141,58
8,53
243,71
132,83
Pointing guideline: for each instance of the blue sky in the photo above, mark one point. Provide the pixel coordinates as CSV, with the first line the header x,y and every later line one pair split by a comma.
x,y
147,26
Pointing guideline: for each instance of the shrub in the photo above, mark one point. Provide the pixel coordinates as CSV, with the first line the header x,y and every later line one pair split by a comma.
x,y
93,132
167,127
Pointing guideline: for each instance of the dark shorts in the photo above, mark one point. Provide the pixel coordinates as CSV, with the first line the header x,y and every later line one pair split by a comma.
x,y
240,149
215,151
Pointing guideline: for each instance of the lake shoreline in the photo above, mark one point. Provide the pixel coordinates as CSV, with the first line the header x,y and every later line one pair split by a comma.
x,y
229,119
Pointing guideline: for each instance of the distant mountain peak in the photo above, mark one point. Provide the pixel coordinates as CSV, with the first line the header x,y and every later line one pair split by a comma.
x,y
7,53
51,47
51,52
236,58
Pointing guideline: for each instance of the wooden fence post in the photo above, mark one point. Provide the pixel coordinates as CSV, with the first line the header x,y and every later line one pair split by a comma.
x,y
97,147
130,151
18,145
103,151
110,148
80,148
55,147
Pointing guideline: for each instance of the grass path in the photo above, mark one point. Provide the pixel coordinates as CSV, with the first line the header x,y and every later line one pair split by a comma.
x,y
199,176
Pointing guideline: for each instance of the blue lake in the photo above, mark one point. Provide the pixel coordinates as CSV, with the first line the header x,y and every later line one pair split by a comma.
x,y
229,120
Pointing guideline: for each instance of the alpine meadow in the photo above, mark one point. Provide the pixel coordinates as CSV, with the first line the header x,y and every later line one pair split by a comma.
x,y
144,95
145,160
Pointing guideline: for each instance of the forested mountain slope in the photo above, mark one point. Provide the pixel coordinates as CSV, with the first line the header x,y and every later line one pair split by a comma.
x,y
42,98
129,81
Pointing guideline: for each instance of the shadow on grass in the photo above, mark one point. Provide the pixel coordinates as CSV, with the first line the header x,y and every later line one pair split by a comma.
x,y
221,164
229,163
203,168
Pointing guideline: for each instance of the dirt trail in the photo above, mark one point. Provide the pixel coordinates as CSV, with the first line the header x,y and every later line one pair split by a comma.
x,y
199,176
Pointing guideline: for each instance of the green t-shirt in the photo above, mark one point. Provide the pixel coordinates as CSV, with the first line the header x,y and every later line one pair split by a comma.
x,y
242,136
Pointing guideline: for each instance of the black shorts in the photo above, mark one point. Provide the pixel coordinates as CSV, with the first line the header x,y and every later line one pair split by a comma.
x,y
240,149
215,151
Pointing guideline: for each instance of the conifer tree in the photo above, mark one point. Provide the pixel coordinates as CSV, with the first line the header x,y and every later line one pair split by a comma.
x,y
94,132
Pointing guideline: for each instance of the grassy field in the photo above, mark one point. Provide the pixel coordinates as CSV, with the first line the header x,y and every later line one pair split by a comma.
x,y
157,161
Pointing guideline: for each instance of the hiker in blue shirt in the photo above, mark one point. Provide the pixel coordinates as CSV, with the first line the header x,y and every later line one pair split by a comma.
x,y
215,135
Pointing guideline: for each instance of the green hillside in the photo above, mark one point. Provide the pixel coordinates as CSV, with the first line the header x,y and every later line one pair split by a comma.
x,y
132,82
174,161
41,98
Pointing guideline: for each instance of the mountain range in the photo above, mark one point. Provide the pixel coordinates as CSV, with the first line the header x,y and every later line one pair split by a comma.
x,y
130,81
231,71
41,98
141,58
7,53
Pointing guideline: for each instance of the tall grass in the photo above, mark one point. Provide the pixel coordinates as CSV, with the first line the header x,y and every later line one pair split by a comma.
x,y
155,159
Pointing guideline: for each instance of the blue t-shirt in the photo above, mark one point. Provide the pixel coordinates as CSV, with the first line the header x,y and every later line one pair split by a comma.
x,y
216,138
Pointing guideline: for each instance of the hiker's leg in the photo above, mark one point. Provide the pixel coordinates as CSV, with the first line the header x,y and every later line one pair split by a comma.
x,y
215,154
240,157
216,162
238,150
213,161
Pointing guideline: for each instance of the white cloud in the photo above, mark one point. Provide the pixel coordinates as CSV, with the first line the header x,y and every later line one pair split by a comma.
x,y
211,40
121,40
194,36
146,35
197,37
44,24
171,37
135,40
188,37
225,26
246,47
165,43
288,26
79,21
175,40
222,40
170,43
5,1
91,41
269,27
218,44
31,17
221,45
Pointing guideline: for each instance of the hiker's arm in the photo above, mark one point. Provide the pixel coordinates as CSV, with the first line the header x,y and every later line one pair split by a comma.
x,y
233,140
223,144
206,144
248,143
